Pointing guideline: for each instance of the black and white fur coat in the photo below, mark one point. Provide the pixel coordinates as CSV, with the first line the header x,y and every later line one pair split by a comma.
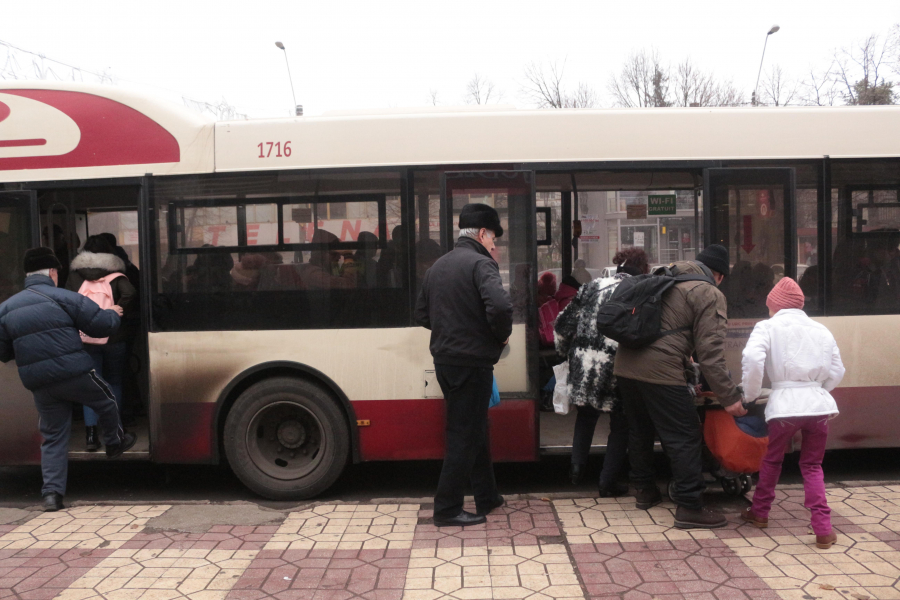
x,y
590,355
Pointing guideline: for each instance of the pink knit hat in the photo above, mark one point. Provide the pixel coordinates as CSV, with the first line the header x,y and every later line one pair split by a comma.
x,y
785,294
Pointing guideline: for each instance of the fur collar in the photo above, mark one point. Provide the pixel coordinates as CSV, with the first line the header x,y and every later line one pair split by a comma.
x,y
104,262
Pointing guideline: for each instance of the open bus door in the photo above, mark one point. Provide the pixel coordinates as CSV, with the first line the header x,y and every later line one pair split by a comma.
x,y
20,439
514,425
750,211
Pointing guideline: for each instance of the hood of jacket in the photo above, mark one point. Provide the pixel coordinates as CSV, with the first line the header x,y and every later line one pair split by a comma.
x,y
92,266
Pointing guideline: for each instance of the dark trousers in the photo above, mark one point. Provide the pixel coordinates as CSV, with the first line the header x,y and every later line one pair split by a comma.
x,y
109,363
669,411
54,405
616,442
467,457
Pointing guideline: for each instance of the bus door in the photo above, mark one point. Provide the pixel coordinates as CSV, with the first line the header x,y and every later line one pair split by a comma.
x,y
19,437
750,212
514,433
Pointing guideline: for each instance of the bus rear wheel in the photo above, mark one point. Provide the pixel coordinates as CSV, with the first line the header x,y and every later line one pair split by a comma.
x,y
286,438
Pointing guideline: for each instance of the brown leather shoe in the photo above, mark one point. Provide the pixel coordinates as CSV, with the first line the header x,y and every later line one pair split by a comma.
x,y
702,518
824,542
748,516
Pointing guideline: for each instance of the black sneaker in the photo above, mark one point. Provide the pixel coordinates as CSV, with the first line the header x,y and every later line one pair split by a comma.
x,y
53,502
116,450
648,498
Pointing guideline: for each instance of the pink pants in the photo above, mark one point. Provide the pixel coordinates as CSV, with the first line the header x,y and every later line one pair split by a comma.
x,y
815,434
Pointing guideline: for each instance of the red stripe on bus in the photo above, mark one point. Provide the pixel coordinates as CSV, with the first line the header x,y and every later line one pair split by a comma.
x,y
19,143
414,430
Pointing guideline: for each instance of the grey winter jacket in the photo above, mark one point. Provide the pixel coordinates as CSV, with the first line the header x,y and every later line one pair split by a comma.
x,y
464,305
590,355
39,328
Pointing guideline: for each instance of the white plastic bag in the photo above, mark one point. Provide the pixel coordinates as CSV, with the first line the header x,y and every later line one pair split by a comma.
x,y
561,391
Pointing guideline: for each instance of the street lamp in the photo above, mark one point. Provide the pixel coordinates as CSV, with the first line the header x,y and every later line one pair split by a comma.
x,y
298,109
774,29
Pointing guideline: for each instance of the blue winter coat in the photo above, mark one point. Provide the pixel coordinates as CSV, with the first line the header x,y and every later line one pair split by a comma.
x,y
41,332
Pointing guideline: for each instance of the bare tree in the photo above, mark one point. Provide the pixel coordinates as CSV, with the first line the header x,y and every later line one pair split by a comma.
x,y
819,88
433,96
480,90
643,81
777,89
544,87
859,70
693,87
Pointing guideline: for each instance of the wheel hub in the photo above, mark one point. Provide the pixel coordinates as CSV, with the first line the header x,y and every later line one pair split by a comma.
x,y
291,434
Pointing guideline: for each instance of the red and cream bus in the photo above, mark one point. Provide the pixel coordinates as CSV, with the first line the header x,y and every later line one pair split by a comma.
x,y
280,258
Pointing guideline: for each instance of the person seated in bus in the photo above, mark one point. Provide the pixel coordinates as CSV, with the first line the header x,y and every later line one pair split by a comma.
x,y
580,273
809,285
97,270
327,268
592,388
245,274
391,264
427,253
886,258
568,287
366,265
210,273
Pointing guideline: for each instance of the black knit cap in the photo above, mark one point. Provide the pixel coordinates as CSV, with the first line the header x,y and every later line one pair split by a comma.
x,y
715,256
477,216
38,259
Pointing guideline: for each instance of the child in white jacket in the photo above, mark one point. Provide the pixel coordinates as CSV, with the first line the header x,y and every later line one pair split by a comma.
x,y
804,364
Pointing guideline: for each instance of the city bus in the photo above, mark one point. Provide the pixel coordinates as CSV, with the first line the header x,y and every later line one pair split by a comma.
x,y
280,259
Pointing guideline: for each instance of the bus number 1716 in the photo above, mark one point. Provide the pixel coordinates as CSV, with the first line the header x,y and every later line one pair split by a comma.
x,y
265,149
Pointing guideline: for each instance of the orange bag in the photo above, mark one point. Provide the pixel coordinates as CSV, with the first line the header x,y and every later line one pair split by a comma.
x,y
735,450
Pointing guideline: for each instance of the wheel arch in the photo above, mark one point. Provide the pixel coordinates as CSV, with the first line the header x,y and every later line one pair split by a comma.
x,y
262,371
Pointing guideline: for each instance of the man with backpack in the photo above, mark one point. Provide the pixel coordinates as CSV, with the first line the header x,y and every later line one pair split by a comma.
x,y
654,374
39,328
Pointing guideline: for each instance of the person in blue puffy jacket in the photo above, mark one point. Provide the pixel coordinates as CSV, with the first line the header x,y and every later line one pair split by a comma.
x,y
39,328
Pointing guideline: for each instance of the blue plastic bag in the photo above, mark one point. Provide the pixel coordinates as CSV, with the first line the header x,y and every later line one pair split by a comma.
x,y
495,395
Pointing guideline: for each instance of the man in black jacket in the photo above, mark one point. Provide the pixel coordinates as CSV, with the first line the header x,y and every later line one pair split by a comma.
x,y
469,314
39,327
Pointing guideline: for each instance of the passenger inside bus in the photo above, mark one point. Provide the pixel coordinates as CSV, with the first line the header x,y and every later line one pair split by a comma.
x,y
364,258
210,273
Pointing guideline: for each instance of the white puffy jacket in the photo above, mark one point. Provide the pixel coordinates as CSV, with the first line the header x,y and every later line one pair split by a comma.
x,y
803,363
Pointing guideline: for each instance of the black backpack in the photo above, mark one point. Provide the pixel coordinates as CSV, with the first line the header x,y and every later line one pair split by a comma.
x,y
632,315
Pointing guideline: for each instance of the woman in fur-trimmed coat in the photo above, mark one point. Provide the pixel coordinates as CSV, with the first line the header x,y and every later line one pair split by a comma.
x,y
95,261
591,383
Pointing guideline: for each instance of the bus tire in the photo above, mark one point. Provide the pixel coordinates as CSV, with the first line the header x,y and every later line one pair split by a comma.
x,y
286,439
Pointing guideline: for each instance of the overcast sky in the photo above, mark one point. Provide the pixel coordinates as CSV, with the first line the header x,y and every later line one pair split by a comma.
x,y
350,55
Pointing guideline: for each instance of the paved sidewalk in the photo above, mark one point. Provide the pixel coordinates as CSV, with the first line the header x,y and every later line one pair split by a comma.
x,y
535,549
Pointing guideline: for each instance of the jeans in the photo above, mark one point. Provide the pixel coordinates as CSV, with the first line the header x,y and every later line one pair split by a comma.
x,y
54,405
467,458
669,411
812,450
616,443
109,363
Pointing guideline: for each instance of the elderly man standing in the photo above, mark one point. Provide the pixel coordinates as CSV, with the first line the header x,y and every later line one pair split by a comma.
x,y
654,387
469,314
39,327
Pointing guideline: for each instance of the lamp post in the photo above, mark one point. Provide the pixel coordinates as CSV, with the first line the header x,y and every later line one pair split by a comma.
x,y
774,29
298,109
